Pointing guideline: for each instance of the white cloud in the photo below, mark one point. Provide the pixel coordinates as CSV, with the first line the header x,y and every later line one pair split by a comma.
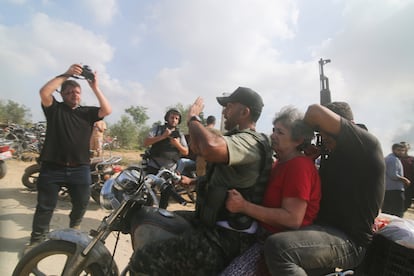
x,y
205,48
103,11
374,55
43,48
222,45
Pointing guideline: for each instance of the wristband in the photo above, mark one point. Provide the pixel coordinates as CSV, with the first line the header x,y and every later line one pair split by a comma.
x,y
64,75
194,118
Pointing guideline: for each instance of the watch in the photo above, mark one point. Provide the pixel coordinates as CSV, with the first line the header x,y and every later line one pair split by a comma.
x,y
195,118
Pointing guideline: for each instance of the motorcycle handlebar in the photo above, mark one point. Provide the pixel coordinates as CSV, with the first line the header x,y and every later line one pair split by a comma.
x,y
172,192
166,173
161,181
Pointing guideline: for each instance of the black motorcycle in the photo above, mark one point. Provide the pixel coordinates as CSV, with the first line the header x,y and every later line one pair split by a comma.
x,y
177,187
130,197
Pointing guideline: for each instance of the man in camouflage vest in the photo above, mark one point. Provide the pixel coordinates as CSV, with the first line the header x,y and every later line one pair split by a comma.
x,y
240,159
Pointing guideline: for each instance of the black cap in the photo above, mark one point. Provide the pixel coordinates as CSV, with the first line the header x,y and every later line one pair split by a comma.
x,y
245,96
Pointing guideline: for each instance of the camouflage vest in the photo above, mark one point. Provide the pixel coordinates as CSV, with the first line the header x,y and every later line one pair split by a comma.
x,y
211,197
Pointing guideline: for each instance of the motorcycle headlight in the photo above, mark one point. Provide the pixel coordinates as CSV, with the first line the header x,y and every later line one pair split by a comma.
x,y
128,180
115,190
108,198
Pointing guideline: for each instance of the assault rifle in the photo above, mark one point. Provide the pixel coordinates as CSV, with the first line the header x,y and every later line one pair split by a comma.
x,y
325,92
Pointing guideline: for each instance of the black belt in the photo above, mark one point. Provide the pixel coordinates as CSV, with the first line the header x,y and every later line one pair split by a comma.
x,y
64,164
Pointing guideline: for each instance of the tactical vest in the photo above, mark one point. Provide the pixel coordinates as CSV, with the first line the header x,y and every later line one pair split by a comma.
x,y
164,149
211,197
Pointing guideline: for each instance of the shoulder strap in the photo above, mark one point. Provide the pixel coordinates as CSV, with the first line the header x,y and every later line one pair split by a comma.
x,y
265,166
159,128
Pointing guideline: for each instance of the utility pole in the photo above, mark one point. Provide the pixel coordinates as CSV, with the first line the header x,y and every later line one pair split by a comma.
x,y
325,92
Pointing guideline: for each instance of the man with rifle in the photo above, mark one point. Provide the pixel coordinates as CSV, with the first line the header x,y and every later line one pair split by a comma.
x,y
352,172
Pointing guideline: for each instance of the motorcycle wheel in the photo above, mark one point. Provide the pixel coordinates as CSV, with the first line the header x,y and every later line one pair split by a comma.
x,y
50,258
3,169
30,176
96,192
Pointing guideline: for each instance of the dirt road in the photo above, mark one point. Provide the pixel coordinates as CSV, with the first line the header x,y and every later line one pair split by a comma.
x,y
17,206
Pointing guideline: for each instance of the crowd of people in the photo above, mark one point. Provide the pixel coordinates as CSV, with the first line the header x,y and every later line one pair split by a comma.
x,y
263,206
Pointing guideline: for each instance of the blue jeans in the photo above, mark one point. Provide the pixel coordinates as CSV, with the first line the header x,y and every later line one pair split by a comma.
x,y
312,250
185,164
51,178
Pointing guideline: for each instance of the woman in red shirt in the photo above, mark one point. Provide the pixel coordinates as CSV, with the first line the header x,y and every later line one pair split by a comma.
x,y
293,192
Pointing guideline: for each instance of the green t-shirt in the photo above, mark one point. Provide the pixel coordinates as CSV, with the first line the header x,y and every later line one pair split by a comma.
x,y
243,172
244,162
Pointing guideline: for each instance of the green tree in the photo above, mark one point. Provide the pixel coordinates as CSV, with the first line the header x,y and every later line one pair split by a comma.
x,y
140,117
13,112
142,134
126,132
138,114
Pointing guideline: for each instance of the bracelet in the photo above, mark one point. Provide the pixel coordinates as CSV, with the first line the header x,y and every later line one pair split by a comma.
x,y
194,118
64,75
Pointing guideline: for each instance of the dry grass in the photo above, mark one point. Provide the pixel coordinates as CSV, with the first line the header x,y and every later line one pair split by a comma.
x,y
128,156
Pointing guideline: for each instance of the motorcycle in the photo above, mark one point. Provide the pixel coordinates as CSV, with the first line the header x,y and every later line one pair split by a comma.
x,y
101,170
189,171
133,204
24,141
5,153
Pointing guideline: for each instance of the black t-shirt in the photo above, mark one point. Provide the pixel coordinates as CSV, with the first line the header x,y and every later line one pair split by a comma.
x,y
68,133
353,183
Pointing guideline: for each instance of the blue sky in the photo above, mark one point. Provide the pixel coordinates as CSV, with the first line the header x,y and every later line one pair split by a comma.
x,y
159,53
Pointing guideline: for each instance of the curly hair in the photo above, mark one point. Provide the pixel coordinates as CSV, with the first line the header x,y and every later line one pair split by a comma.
x,y
292,118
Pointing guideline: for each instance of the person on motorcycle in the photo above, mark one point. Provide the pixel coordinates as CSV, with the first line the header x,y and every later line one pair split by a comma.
x,y
167,143
292,194
65,154
241,159
352,171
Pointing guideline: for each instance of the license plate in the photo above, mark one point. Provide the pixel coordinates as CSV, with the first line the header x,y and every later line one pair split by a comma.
x,y
5,155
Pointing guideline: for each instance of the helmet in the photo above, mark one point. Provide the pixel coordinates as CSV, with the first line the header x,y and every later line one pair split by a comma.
x,y
172,110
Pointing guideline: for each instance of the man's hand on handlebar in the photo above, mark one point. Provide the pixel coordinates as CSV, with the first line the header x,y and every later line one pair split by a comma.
x,y
185,180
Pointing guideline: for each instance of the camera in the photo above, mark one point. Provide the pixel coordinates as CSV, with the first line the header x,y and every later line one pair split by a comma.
x,y
87,73
175,134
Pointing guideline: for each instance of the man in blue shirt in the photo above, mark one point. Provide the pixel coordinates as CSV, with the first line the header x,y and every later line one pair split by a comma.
x,y
395,182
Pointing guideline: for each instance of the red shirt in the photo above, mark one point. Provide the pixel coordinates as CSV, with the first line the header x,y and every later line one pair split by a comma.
x,y
296,178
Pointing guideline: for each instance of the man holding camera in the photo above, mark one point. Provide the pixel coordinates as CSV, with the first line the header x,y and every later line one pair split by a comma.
x,y
65,154
167,143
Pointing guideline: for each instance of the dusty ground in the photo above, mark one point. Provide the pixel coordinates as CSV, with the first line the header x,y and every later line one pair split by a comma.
x,y
17,206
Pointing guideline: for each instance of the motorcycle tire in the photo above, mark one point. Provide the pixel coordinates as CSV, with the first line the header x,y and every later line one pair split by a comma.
x,y
30,176
3,169
96,193
36,262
